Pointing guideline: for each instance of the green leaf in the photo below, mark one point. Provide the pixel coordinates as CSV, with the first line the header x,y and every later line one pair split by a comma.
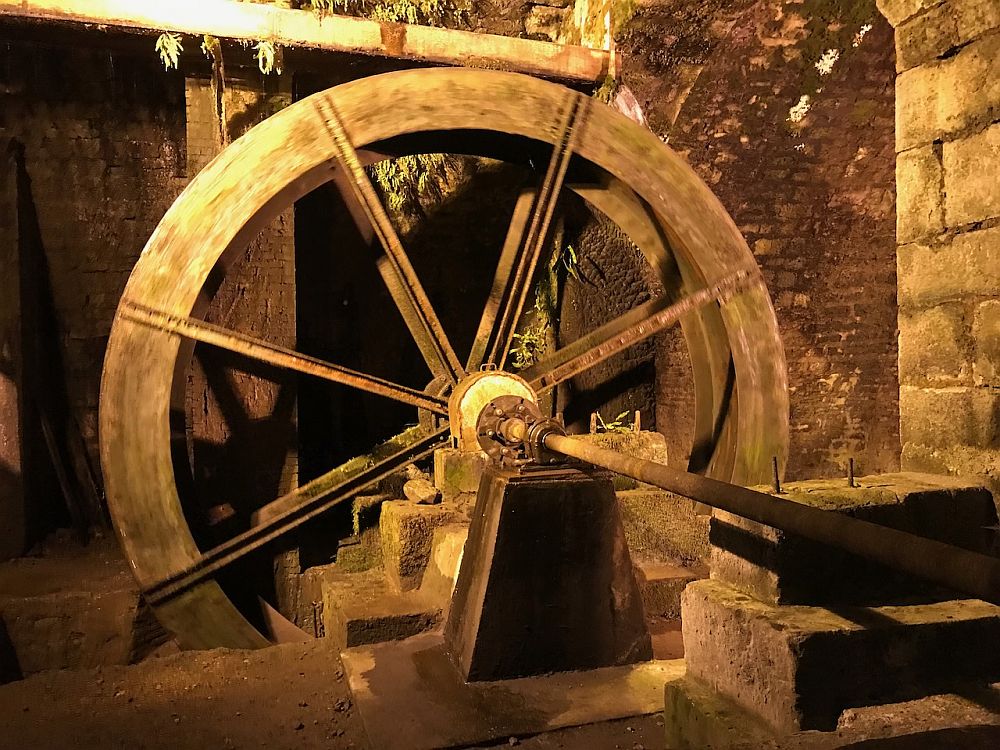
x,y
169,47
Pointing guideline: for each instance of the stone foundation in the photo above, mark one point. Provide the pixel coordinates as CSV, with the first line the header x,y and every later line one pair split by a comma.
x,y
781,568
799,667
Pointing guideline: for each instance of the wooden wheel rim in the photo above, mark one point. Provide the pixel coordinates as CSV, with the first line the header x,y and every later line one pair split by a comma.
x,y
221,210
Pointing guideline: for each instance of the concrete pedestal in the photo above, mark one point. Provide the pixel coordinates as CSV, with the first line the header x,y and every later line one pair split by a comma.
x,y
546,583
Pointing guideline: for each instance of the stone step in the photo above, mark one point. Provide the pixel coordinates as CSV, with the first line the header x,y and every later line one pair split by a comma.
x,y
799,667
74,608
365,608
697,717
783,568
661,585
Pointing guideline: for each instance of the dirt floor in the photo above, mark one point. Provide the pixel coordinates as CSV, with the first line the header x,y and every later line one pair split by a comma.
x,y
289,696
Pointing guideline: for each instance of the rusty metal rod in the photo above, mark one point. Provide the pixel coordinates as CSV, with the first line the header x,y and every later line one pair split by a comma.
x,y
956,568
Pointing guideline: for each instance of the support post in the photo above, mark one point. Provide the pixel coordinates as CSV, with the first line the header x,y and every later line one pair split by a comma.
x,y
546,583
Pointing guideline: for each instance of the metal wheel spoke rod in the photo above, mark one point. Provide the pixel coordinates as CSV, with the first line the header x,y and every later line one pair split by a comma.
x,y
525,242
629,329
297,507
272,354
394,265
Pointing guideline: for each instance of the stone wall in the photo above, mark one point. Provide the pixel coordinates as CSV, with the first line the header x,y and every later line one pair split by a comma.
x,y
785,110
102,135
109,140
948,230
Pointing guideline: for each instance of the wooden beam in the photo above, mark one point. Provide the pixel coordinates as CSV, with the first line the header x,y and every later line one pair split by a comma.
x,y
298,28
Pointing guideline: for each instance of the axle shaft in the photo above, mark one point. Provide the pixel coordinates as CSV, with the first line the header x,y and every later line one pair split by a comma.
x,y
954,567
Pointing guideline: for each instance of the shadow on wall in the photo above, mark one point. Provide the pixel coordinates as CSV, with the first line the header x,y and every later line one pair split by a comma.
x,y
58,483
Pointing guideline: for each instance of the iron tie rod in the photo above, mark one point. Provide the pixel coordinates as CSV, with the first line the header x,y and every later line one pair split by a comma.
x,y
954,567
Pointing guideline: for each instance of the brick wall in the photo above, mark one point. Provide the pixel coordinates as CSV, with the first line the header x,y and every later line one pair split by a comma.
x,y
110,139
241,416
814,198
948,230
103,137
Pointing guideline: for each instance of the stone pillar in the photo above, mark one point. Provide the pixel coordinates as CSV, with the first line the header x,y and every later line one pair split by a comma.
x,y
13,532
948,233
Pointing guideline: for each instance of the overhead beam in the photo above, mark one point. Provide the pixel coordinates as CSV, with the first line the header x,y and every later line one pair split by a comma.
x,y
298,28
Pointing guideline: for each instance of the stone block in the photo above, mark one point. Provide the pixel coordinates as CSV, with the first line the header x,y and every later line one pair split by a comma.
x,y
645,444
366,550
447,546
919,209
661,526
927,36
969,265
976,17
73,612
942,29
934,346
362,608
457,472
942,98
898,11
781,568
798,668
975,464
696,717
661,585
972,176
986,334
407,532
942,417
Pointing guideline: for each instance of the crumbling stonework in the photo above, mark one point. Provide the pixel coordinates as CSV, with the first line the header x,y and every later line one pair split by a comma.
x,y
948,144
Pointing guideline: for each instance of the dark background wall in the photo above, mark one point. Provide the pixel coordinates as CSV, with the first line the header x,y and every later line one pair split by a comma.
x,y
103,140
107,138
815,199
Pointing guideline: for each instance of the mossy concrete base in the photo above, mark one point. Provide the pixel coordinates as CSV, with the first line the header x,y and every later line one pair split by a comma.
x,y
456,471
648,445
799,667
660,527
695,717
407,532
786,569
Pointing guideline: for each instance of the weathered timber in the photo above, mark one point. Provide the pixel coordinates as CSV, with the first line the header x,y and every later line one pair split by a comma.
x,y
295,28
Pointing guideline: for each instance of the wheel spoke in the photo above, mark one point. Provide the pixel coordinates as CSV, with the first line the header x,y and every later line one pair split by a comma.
x,y
629,329
526,240
300,506
508,257
263,351
393,264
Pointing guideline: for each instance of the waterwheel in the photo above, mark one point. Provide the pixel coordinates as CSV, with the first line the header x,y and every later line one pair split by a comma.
x,y
708,280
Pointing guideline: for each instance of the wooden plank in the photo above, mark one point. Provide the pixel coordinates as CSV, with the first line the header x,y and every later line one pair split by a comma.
x,y
296,28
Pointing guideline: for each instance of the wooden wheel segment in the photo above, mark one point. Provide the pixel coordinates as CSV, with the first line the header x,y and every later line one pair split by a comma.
x,y
713,289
